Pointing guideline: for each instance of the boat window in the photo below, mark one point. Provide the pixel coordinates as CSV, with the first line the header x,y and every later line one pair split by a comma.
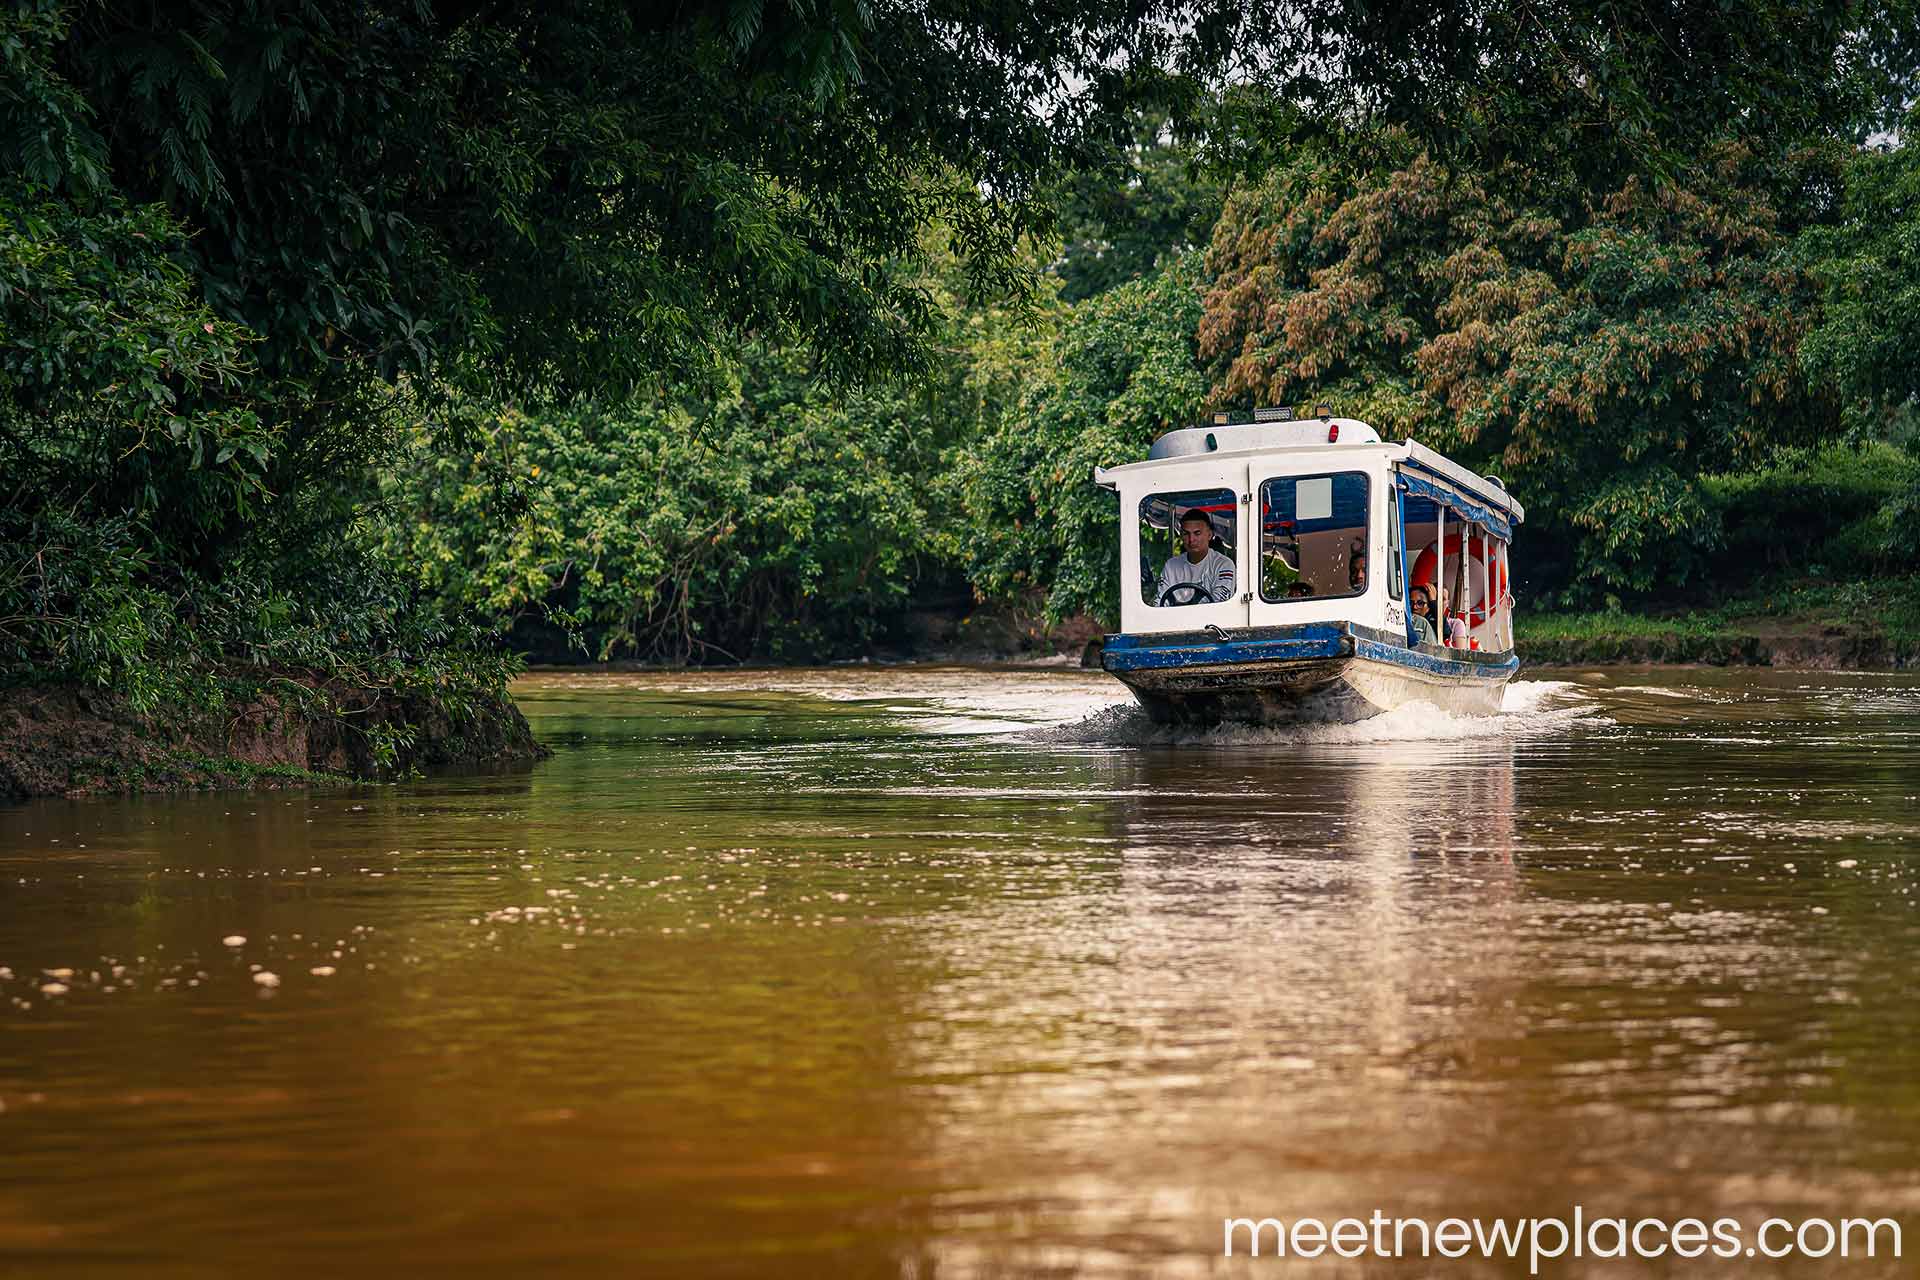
x,y
1313,536
1169,573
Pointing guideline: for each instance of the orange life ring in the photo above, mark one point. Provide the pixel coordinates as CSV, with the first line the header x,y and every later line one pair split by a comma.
x,y
1428,564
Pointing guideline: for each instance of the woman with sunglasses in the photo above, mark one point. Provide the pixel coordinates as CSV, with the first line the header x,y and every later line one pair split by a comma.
x,y
1420,609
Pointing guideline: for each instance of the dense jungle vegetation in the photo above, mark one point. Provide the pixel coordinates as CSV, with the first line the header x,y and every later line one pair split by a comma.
x,y
339,338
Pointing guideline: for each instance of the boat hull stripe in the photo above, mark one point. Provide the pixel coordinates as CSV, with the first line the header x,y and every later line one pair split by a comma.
x,y
1228,653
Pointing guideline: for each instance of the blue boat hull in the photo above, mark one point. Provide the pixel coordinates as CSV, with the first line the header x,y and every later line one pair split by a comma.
x,y
1320,672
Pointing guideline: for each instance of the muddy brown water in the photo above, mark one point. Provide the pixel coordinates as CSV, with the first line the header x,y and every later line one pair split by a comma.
x,y
954,973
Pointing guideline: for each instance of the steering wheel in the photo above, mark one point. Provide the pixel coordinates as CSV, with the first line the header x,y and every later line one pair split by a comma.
x,y
1196,594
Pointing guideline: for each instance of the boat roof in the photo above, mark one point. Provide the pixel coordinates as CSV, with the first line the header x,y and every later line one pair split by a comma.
x,y
1248,437
1305,441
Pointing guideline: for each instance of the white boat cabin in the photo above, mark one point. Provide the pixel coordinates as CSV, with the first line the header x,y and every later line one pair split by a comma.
x,y
1321,521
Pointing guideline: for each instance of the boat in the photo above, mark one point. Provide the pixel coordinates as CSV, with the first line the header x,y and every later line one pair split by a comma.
x,y
1316,534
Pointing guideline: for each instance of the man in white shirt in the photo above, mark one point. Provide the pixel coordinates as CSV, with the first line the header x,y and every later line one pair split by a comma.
x,y
1202,575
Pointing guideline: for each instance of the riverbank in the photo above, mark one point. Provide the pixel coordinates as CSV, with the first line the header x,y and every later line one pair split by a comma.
x,y
70,740
1855,626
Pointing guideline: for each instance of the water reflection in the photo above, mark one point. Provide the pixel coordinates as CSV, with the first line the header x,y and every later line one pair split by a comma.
x,y
1290,939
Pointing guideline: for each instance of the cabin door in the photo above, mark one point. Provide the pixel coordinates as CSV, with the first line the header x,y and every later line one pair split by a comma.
x,y
1194,549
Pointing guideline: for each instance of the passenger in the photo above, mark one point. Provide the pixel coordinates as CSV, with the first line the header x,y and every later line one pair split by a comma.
x,y
1456,625
1357,572
1201,575
1420,612
1299,590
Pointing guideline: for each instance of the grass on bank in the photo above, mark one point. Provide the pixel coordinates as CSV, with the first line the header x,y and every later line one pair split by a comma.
x,y
1870,620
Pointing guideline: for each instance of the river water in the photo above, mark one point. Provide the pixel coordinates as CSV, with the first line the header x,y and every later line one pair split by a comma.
x,y
945,972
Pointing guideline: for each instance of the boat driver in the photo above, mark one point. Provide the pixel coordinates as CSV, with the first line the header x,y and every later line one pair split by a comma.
x,y
1200,575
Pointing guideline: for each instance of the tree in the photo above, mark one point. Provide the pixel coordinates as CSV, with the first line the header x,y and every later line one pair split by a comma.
x,y
380,210
1868,262
1119,220
252,238
588,195
122,419
1121,370
1599,362
594,194
778,520
1862,348
1586,94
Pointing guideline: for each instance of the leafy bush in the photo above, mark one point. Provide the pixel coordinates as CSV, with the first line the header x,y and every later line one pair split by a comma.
x,y
1841,509
123,435
784,522
161,534
239,247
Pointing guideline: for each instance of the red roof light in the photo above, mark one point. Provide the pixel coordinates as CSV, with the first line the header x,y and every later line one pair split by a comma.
x,y
1333,434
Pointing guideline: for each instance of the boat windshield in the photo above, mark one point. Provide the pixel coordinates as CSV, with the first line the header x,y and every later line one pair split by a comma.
x,y
1171,532
1313,536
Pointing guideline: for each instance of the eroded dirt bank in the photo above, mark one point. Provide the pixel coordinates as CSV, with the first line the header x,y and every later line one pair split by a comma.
x,y
66,740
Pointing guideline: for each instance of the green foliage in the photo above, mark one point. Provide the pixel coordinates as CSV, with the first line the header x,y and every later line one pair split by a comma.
x,y
1121,371
1314,289
781,522
90,601
1872,618
1585,96
44,130
245,246
596,195
1633,376
1118,221
789,521
1868,263
1640,529
75,598
1840,510
1599,364
146,544
112,371
123,425
266,273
